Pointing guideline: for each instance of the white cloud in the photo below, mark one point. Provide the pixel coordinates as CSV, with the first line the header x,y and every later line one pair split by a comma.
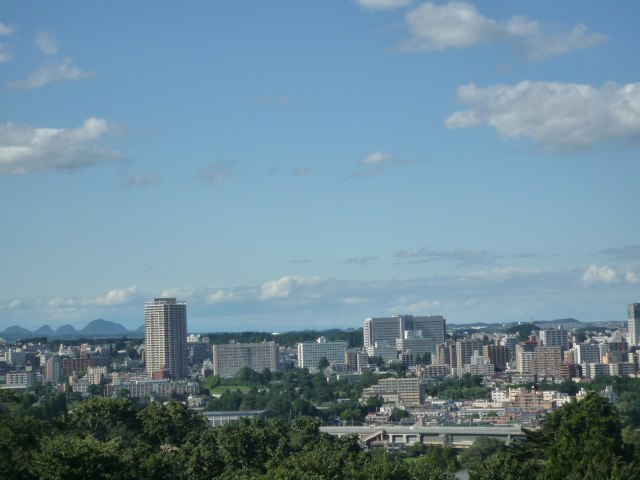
x,y
5,30
118,297
454,24
25,149
221,296
602,274
51,72
382,4
540,46
216,173
631,277
376,158
558,116
416,307
15,303
285,286
46,43
142,180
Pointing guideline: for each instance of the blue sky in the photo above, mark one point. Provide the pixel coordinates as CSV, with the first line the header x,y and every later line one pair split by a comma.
x,y
307,164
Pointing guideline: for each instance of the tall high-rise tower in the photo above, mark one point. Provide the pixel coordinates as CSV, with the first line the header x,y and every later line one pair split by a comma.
x,y
633,327
165,336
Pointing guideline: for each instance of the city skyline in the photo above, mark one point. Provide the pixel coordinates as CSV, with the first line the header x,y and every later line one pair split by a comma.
x,y
293,165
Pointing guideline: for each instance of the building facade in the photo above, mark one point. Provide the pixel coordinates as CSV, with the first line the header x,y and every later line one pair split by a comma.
x,y
633,327
387,330
165,333
230,358
310,353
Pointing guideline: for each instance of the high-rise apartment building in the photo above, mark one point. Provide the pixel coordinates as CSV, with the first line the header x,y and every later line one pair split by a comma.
x,y
633,327
554,337
165,334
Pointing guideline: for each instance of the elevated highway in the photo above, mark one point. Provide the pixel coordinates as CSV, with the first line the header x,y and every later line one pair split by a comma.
x,y
453,436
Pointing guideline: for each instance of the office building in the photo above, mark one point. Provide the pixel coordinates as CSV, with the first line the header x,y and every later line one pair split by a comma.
x,y
310,353
387,330
165,334
230,358
633,326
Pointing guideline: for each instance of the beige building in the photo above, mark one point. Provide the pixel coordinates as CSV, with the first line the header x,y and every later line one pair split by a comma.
x,y
406,391
165,334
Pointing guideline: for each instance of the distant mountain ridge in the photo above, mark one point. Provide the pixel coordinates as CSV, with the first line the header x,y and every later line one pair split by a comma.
x,y
95,329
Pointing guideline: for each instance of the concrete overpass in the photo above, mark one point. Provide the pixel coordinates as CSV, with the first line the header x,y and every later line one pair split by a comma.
x,y
453,436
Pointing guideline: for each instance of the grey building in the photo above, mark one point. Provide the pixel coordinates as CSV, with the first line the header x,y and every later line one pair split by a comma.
x,y
633,327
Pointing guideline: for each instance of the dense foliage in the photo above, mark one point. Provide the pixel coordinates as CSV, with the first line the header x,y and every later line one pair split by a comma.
x,y
581,440
108,439
292,393
467,387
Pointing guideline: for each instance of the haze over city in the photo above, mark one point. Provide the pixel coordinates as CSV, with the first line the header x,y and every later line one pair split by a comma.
x,y
289,165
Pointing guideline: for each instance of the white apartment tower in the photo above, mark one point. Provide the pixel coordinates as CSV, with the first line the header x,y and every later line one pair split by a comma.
x,y
165,335
633,315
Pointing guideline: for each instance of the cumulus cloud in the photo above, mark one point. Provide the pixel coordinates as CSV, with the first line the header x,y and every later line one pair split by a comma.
x,y
285,286
51,72
558,116
454,24
382,4
142,180
216,173
46,43
118,297
25,149
221,296
599,274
